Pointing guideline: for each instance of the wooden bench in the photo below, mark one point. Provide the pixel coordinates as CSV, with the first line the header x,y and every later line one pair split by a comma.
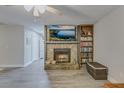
x,y
97,70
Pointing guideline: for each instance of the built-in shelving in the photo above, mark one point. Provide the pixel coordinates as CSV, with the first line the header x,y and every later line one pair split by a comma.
x,y
86,43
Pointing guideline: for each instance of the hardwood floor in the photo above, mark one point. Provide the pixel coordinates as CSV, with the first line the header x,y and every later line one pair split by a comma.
x,y
73,79
110,85
34,76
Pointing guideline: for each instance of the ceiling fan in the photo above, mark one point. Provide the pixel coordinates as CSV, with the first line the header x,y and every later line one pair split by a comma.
x,y
41,9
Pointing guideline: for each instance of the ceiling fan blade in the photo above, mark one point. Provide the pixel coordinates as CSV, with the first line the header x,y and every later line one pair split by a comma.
x,y
28,7
41,8
53,10
36,12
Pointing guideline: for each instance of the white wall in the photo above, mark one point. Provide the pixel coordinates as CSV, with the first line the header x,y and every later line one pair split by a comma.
x,y
35,46
32,46
27,47
41,48
42,43
19,46
11,46
109,44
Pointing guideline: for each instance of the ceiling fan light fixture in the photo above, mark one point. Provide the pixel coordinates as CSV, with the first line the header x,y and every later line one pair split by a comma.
x,y
35,12
41,8
28,7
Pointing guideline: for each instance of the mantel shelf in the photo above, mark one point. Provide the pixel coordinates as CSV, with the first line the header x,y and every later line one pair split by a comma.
x,y
62,42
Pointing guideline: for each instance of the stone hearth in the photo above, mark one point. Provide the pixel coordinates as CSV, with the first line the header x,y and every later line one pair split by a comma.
x,y
62,66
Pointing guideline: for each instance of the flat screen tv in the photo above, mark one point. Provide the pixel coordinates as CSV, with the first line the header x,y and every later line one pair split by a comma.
x,y
62,33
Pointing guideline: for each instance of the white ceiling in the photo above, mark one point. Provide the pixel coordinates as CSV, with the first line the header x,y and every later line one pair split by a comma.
x,y
72,14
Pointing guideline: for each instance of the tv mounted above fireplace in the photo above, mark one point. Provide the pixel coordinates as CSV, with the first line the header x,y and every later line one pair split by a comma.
x,y
62,33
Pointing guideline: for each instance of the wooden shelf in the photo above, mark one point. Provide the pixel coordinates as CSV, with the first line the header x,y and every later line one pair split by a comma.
x,y
86,52
86,57
86,41
86,36
86,46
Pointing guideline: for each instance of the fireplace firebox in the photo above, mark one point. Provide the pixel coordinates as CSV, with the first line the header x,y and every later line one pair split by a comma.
x,y
62,55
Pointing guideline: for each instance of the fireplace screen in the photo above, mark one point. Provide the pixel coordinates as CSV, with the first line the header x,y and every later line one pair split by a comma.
x,y
62,55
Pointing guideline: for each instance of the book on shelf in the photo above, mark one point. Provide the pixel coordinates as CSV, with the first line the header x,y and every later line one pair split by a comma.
x,y
86,38
85,55
86,49
84,60
90,54
85,44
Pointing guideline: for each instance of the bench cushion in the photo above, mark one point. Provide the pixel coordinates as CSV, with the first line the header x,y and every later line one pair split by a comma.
x,y
96,65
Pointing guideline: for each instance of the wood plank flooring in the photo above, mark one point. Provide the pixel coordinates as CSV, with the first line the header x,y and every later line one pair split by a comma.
x,y
110,85
34,76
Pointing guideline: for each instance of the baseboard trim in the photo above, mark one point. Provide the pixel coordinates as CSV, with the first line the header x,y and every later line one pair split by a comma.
x,y
20,65
112,80
30,62
12,66
7,66
25,65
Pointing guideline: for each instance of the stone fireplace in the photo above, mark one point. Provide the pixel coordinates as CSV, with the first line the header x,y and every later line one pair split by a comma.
x,y
62,55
